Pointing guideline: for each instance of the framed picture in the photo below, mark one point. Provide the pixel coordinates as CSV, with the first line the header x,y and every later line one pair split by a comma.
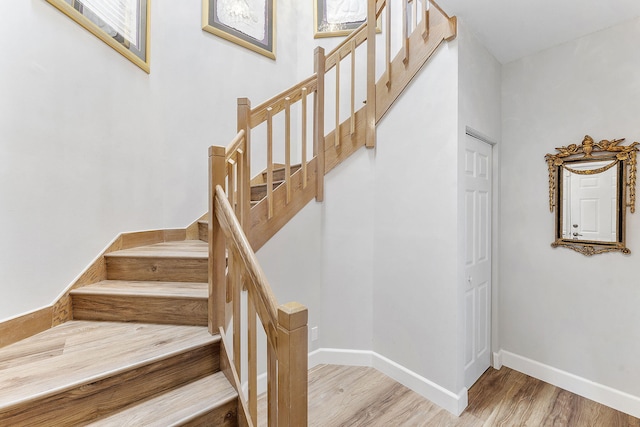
x,y
338,17
249,23
122,24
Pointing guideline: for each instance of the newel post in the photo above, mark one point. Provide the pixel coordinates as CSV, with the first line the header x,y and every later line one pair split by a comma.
x,y
318,121
370,124
292,364
217,257
244,184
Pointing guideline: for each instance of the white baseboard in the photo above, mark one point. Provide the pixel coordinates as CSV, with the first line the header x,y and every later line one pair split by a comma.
x,y
608,396
496,362
452,402
334,356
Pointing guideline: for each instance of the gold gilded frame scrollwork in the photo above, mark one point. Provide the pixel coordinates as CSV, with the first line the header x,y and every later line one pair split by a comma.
x,y
589,150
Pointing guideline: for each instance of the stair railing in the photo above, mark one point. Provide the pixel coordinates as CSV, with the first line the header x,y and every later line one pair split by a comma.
x,y
234,267
237,227
281,107
422,27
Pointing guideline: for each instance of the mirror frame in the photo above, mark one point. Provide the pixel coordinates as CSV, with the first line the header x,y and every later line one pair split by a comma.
x,y
624,158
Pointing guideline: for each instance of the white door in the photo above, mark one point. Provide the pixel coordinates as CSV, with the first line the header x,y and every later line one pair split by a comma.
x,y
477,296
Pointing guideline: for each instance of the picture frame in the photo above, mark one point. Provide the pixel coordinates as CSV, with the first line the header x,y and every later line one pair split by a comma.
x,y
248,23
122,24
330,21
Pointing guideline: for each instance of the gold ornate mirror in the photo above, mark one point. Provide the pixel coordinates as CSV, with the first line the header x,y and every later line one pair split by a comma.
x,y
590,186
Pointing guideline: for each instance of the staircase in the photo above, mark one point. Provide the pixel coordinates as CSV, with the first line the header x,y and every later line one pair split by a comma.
x,y
137,350
140,337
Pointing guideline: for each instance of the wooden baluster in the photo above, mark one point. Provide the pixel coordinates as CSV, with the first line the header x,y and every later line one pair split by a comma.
x,y
292,364
370,127
231,272
336,134
253,359
414,13
272,387
318,120
236,287
287,147
405,31
387,48
242,205
426,7
217,257
244,113
303,156
270,162
352,129
231,184
229,290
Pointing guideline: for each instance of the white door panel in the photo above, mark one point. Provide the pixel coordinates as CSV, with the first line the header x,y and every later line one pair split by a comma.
x,y
477,234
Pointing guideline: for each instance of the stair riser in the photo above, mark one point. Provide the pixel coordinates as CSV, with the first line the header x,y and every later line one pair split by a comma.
x,y
259,192
203,231
121,308
94,400
279,175
223,416
157,269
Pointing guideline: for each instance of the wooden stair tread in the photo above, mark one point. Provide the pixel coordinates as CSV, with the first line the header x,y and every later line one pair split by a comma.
x,y
280,168
177,406
82,352
264,186
179,249
278,173
145,288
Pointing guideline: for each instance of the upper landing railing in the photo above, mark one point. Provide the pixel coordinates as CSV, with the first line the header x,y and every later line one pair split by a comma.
x,y
289,129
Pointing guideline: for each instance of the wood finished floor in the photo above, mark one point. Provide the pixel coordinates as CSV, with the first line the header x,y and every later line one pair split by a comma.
x,y
341,396
77,351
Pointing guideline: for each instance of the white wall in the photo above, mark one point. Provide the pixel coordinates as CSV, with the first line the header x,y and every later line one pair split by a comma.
x,y
292,263
415,249
557,307
91,146
347,261
479,75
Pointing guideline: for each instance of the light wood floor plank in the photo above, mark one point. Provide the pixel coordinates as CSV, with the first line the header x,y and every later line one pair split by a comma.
x,y
180,249
137,288
82,351
345,396
177,406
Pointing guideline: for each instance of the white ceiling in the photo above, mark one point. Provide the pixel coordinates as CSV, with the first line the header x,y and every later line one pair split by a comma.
x,y
511,29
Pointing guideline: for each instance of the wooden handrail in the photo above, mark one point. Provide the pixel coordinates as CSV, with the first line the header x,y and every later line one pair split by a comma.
x,y
258,286
235,144
346,47
285,326
278,104
442,12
